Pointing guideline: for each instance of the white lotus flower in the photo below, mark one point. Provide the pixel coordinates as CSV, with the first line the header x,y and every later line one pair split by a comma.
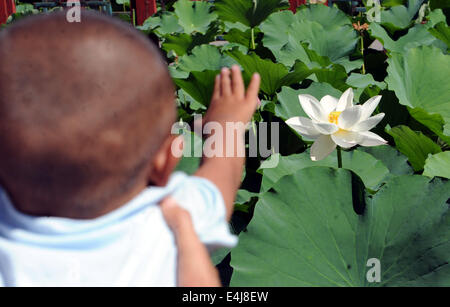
x,y
337,122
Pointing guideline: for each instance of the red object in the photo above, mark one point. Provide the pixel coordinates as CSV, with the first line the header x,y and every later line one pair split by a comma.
x,y
294,4
7,8
143,9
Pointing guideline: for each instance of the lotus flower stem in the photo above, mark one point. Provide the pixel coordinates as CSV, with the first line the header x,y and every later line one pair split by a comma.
x,y
362,53
253,39
254,126
339,156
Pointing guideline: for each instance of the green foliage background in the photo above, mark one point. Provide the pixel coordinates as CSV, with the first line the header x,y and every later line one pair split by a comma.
x,y
308,223
312,224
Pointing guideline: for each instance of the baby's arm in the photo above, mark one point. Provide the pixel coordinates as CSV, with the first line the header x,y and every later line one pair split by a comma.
x,y
230,103
195,268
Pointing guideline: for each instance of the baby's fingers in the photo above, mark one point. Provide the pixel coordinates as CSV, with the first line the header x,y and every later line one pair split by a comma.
x,y
238,82
216,93
253,89
225,82
174,215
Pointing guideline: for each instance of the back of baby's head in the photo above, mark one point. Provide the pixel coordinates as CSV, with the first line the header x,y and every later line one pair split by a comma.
x,y
83,109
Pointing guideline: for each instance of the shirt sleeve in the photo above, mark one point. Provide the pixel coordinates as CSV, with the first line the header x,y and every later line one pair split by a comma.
x,y
202,199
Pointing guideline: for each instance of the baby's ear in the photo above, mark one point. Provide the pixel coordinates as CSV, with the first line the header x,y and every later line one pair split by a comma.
x,y
166,160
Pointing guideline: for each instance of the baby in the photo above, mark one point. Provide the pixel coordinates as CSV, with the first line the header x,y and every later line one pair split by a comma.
x,y
86,111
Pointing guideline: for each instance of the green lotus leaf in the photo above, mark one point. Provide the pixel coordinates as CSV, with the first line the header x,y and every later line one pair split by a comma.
x,y
205,57
199,85
400,16
182,43
169,24
416,36
396,162
419,79
326,30
371,170
434,122
414,145
363,81
438,165
273,75
166,24
435,17
244,38
442,32
248,12
194,16
305,232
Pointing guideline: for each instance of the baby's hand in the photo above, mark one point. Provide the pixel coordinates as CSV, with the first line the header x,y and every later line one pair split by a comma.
x,y
230,102
195,268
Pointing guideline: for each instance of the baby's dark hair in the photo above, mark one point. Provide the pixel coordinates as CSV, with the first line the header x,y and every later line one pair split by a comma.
x,y
84,107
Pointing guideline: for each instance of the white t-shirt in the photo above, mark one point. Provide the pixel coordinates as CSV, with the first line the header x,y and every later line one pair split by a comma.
x,y
131,246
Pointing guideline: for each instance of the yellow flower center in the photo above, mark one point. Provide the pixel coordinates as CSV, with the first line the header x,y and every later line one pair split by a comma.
x,y
333,117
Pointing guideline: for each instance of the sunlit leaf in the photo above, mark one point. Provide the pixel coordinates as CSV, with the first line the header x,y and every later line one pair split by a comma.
x,y
438,165
305,232
194,16
419,79
248,12
414,145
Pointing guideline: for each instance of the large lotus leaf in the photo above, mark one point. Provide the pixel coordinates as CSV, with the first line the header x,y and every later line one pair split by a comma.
x,y
419,78
371,170
169,24
334,75
166,24
205,57
199,85
240,37
182,43
276,29
416,36
288,104
248,12
349,65
177,73
363,81
273,75
150,24
290,52
438,165
335,42
305,232
327,30
194,16
396,162
327,16
400,17
414,145
442,32
434,122
435,17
